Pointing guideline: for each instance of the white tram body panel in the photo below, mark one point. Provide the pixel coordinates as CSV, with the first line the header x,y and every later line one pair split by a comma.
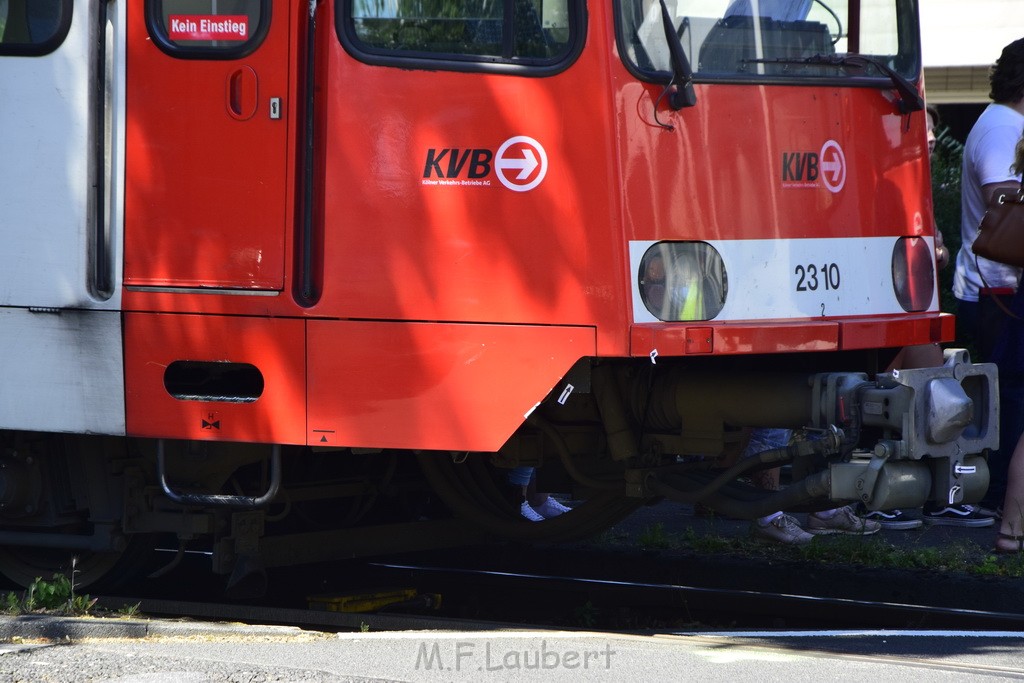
x,y
60,336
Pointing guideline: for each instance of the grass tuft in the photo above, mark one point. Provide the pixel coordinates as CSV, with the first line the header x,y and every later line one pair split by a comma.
x,y
56,595
959,557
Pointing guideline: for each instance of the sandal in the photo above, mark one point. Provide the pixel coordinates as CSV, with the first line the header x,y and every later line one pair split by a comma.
x,y
1019,540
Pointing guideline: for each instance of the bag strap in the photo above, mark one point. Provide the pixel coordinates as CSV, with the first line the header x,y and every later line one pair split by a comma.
x,y
998,302
1001,198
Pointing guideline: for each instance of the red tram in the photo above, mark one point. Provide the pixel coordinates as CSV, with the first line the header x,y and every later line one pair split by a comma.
x,y
270,263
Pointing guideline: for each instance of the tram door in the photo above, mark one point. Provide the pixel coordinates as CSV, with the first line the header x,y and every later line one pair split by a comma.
x,y
48,168
205,195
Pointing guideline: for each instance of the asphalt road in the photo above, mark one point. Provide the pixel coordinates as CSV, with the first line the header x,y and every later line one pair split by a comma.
x,y
196,652
70,650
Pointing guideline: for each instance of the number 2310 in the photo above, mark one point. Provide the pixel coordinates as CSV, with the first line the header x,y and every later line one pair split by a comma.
x,y
811,277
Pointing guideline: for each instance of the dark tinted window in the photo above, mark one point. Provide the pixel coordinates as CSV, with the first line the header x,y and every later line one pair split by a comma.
x,y
511,31
33,27
795,39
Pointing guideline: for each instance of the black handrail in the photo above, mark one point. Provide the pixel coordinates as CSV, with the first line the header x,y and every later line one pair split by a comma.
x,y
221,499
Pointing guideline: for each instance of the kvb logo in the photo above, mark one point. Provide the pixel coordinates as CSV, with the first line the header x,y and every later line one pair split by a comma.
x,y
812,169
520,164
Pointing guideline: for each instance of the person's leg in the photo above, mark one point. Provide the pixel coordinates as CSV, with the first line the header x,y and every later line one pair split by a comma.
x,y
766,479
1011,528
1011,426
535,506
519,479
763,440
777,527
967,323
534,498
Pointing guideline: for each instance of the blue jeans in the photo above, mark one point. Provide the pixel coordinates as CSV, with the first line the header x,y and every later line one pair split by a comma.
x,y
765,439
520,476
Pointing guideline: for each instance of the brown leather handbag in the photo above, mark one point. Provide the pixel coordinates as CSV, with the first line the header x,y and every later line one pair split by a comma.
x,y
1001,233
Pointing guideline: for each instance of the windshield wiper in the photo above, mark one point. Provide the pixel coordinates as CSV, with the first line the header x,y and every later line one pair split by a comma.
x,y
682,74
910,100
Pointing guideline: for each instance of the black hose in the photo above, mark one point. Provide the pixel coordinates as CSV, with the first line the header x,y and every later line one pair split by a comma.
x,y
803,492
566,458
763,460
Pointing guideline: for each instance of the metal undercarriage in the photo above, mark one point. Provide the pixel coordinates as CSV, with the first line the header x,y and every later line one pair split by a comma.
x,y
625,434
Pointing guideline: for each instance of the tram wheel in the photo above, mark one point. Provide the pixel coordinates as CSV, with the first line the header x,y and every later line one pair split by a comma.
x,y
23,565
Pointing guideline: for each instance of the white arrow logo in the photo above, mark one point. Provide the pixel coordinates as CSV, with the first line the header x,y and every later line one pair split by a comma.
x,y
523,158
526,164
833,166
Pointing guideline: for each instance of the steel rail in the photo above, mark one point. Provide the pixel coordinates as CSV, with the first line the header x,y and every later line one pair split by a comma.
x,y
738,607
751,604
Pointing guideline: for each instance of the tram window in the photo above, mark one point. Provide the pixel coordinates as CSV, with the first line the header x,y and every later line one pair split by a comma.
x,y
33,27
527,32
211,29
777,40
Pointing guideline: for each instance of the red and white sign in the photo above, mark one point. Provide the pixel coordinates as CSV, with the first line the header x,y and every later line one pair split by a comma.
x,y
833,166
208,27
521,163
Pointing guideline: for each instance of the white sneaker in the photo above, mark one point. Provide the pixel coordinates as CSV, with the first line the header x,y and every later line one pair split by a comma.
x,y
843,521
550,508
783,529
529,513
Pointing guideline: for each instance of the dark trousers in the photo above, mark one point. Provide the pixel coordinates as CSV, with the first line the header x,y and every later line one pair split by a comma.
x,y
978,325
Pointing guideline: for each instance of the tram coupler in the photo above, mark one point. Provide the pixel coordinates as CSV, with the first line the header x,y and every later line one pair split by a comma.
x,y
935,426
884,485
947,411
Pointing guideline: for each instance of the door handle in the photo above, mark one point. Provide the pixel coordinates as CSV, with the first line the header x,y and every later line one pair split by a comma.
x,y
242,93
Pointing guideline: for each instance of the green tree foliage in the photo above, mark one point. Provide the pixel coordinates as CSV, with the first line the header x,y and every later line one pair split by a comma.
x,y
946,170
458,27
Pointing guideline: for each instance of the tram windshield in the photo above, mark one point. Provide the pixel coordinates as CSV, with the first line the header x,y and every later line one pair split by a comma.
x,y
775,39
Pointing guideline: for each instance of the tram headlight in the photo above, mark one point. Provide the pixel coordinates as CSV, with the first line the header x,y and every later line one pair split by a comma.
x,y
913,273
681,281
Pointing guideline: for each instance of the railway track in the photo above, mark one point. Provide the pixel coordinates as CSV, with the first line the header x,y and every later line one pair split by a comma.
x,y
668,603
474,599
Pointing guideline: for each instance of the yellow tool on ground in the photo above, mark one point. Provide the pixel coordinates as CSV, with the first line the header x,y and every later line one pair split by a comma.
x,y
375,601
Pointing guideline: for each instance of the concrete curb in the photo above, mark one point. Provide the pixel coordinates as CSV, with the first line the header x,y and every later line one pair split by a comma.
x,y
61,628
